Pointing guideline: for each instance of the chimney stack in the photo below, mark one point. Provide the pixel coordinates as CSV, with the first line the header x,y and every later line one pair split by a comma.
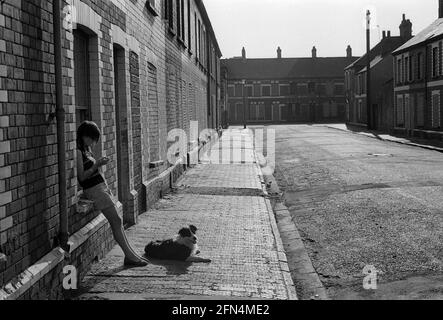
x,y
440,9
349,52
406,28
278,53
314,52
243,53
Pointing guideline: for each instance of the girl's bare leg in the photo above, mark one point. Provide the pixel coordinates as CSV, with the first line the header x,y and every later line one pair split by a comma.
x,y
119,234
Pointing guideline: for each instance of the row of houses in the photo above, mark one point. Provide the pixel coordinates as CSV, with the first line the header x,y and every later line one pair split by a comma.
x,y
139,69
283,90
406,82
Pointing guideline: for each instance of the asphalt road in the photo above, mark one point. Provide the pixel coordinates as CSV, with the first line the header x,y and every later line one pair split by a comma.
x,y
358,201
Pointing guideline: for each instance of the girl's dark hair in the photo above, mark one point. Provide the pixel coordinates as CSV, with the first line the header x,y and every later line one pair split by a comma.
x,y
87,129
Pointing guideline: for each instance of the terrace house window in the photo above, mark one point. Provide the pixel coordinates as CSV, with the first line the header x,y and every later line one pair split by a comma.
x,y
435,62
266,91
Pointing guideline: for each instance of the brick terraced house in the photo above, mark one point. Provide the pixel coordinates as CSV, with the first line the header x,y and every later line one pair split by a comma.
x,y
419,82
381,81
139,69
285,90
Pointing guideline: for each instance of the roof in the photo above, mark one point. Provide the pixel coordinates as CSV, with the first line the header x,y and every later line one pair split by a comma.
x,y
279,68
384,47
432,32
208,24
374,62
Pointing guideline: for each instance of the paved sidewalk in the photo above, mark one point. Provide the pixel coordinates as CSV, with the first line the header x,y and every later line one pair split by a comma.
x,y
237,230
415,142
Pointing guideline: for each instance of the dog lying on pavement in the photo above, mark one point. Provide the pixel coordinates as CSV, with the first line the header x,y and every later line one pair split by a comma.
x,y
182,248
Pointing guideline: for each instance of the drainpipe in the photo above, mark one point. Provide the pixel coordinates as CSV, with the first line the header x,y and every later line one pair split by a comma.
x,y
60,115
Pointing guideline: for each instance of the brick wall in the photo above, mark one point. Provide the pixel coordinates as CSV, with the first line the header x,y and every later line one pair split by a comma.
x,y
166,87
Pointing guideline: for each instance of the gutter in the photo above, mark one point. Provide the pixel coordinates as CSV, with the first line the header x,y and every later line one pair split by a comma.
x,y
63,236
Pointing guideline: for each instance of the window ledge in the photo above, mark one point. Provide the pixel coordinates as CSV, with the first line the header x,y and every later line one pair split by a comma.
x,y
156,164
151,9
84,206
181,41
171,31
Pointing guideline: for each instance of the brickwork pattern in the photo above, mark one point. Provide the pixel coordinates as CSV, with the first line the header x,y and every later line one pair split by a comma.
x,y
29,214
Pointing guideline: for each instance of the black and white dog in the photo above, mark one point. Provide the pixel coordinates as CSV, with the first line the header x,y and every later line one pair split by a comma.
x,y
182,248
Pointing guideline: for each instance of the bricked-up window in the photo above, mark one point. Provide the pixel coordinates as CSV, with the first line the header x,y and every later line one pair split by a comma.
x,y
410,68
436,109
420,66
266,91
183,20
196,36
406,69
179,18
231,91
311,87
275,90
249,90
199,41
400,111
321,89
204,49
257,92
293,88
435,62
239,90
169,14
81,76
339,89
189,27
302,89
399,70
284,90
153,114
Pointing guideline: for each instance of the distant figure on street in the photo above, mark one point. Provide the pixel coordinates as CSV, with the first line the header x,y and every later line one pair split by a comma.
x,y
96,189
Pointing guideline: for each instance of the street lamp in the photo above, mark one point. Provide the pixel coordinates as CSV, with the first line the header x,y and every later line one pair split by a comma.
x,y
368,70
244,104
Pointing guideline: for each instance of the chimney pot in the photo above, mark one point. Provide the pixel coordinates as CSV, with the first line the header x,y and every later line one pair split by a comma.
x,y
243,53
349,52
314,52
384,34
389,34
278,53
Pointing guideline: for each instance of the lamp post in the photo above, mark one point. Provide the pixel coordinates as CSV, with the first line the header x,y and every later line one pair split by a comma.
x,y
368,70
244,104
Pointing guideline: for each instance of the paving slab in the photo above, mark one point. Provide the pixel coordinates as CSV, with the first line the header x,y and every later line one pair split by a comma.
x,y
236,230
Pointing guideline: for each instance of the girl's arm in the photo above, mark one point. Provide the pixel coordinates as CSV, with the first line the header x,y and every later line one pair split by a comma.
x,y
83,175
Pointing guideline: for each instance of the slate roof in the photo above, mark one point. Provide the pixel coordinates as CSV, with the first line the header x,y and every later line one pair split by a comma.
x,y
384,47
275,68
432,32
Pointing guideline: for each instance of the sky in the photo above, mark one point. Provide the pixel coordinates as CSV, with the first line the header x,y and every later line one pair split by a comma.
x,y
298,25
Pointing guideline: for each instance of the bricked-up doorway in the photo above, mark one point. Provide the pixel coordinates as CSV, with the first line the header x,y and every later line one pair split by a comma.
x,y
121,122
